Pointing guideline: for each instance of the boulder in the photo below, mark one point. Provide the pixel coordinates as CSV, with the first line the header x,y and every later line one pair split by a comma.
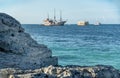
x,y
18,49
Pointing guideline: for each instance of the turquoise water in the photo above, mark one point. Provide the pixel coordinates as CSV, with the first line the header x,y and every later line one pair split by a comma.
x,y
87,45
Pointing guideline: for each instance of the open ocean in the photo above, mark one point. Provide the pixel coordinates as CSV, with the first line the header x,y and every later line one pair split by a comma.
x,y
80,45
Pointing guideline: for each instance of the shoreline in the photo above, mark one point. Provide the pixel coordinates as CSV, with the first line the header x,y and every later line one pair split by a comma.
x,y
71,71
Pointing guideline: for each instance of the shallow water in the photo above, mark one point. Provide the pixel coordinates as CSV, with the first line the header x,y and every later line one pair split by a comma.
x,y
86,45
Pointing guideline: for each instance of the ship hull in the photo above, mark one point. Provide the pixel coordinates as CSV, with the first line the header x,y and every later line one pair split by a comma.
x,y
60,23
56,24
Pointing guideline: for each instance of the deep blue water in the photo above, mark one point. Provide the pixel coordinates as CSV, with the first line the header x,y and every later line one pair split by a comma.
x,y
86,45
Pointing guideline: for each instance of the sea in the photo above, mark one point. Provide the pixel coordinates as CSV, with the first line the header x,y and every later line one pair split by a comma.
x,y
80,45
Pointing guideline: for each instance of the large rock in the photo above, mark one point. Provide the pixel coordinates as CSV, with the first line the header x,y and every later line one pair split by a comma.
x,y
98,71
18,49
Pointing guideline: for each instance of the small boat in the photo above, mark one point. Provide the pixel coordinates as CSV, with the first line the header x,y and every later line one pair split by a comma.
x,y
97,23
82,23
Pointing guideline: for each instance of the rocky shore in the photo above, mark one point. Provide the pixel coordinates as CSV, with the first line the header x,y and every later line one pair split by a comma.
x,y
23,57
98,71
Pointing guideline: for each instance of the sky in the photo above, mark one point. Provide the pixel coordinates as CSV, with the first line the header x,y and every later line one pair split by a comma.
x,y
35,11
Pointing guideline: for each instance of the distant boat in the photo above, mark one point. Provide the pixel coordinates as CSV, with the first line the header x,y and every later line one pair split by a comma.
x,y
54,22
97,23
82,23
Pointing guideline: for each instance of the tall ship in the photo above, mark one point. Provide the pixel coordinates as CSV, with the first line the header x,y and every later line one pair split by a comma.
x,y
54,22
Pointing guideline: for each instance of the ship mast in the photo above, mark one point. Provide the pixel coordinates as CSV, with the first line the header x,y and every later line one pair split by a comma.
x,y
48,16
54,15
60,15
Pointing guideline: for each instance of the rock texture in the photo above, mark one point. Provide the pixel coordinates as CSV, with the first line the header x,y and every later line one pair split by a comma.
x,y
98,71
18,49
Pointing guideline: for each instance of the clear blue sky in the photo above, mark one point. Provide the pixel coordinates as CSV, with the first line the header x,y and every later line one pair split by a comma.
x,y
34,11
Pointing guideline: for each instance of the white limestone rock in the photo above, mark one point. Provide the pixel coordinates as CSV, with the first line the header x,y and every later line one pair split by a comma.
x,y
18,49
